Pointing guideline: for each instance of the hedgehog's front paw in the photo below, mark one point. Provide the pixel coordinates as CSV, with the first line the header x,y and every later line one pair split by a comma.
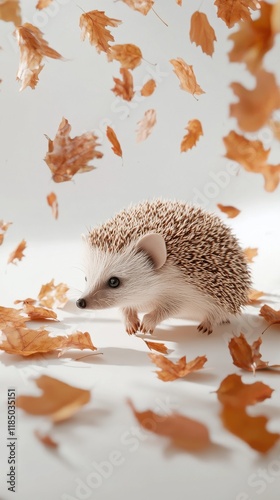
x,y
148,324
132,326
205,327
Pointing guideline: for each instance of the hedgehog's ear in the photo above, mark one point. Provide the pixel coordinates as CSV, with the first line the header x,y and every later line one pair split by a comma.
x,y
153,244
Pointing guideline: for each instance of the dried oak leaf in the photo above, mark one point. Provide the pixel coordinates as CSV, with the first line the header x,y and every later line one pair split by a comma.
x,y
52,295
233,392
172,371
156,346
250,253
254,296
148,88
202,33
67,157
186,76
143,6
184,432
10,11
124,87
17,254
3,228
116,147
46,439
229,210
33,48
232,11
42,4
59,401
248,356
93,25
270,315
53,203
194,129
127,54
146,125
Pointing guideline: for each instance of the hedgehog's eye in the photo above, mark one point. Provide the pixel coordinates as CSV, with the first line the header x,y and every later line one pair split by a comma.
x,y
113,282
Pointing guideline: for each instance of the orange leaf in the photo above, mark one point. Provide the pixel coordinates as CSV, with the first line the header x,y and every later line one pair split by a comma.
x,y
247,356
11,317
67,157
128,55
142,6
93,25
46,440
3,227
202,33
250,253
52,295
275,127
10,11
156,346
42,4
38,313
146,125
124,87
172,371
59,401
233,392
17,253
184,432
270,315
194,128
52,201
229,210
116,147
33,48
232,11
148,88
253,296
186,76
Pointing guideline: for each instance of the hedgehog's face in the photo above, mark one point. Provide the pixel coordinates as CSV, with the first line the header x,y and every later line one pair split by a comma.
x,y
123,279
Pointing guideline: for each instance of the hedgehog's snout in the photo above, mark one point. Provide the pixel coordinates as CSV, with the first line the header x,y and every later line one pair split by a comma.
x,y
81,303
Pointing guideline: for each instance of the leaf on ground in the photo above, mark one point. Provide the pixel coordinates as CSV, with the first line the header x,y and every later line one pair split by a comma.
x,y
250,253
233,11
59,401
52,295
248,356
146,125
254,296
184,432
233,392
124,87
10,11
3,228
17,254
67,157
143,6
156,346
94,26
53,203
128,55
36,313
46,439
202,33
116,147
186,76
148,88
194,129
230,211
33,49
10,316
172,371
42,4
270,315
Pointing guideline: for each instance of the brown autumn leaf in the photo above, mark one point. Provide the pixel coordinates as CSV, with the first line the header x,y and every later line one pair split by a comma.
x,y
124,87
172,371
67,157
254,296
156,346
255,107
250,253
17,254
129,55
116,147
146,125
34,312
194,129
202,33
233,392
33,48
143,6
275,127
184,432
186,76
232,11
10,11
52,295
9,316
179,2
270,315
3,228
53,203
93,25
248,356
148,88
46,439
42,4
229,210
59,401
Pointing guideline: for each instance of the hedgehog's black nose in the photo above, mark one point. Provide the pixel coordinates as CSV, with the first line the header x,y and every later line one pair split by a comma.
x,y
81,303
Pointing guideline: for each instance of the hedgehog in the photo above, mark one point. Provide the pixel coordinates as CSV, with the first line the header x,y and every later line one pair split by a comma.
x,y
165,259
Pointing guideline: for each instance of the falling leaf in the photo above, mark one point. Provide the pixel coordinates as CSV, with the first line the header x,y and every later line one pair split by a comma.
x,y
275,127
157,346
186,76
229,210
10,316
116,147
254,108
248,356
232,11
3,228
46,440
128,55
67,157
52,295
142,6
146,125
172,371
148,88
194,128
254,296
33,48
179,2
42,4
250,253
17,253
184,432
270,315
52,201
124,87
10,11
233,392
93,25
202,33
59,401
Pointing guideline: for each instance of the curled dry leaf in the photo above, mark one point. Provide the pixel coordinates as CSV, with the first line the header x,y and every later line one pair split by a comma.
x,y
128,55
124,87
116,147
17,254
11,317
33,48
202,33
53,203
93,25
146,125
184,432
52,295
250,253
67,157
59,401
142,6
233,392
10,11
235,10
42,4
254,296
148,88
156,346
46,439
35,313
186,76
194,129
172,371
270,315
248,356
229,210
3,228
